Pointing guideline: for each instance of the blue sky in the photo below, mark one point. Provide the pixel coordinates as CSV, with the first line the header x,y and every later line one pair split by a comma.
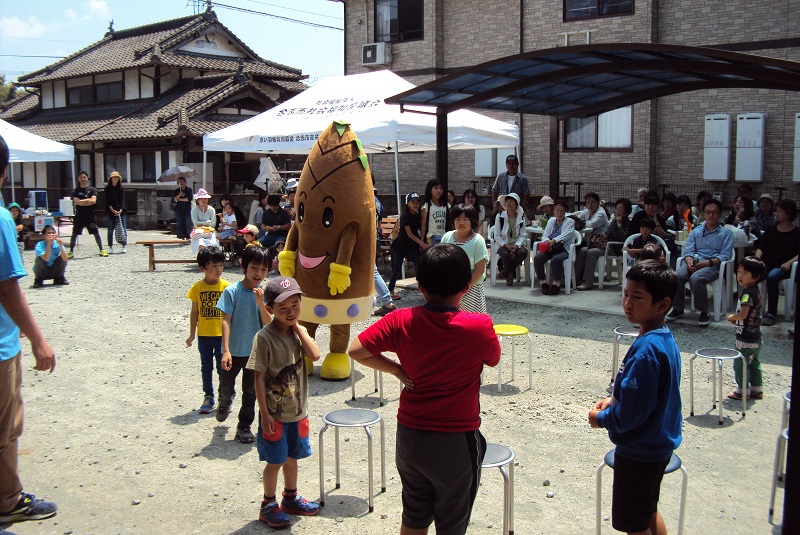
x,y
59,28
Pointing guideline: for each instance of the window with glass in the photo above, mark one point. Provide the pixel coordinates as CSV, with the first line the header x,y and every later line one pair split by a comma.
x,y
115,162
110,92
398,20
588,9
143,167
610,131
77,96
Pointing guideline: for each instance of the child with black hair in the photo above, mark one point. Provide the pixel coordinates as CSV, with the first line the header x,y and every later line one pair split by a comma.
x,y
281,383
243,315
643,415
439,444
434,212
465,219
747,320
652,251
646,228
205,319
408,243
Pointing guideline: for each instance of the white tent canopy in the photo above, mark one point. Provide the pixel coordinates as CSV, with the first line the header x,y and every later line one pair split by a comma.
x,y
26,147
294,126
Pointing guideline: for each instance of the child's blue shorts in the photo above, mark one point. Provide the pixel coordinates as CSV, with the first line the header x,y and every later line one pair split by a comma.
x,y
289,440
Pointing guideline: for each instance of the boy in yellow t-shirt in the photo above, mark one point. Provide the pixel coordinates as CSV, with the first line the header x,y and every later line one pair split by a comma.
x,y
206,318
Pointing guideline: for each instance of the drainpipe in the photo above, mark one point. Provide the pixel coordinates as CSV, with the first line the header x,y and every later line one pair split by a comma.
x,y
521,121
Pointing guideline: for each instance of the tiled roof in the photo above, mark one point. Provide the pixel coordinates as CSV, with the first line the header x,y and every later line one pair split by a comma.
x,y
135,47
158,118
20,106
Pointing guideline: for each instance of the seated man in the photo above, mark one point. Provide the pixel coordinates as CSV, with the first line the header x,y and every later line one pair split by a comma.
x,y
276,222
51,259
707,246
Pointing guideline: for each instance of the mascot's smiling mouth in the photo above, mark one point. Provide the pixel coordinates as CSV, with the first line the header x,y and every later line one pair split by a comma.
x,y
311,263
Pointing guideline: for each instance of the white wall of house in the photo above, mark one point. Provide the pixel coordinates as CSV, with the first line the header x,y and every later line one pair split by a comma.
x,y
59,94
147,82
131,85
47,95
169,79
214,44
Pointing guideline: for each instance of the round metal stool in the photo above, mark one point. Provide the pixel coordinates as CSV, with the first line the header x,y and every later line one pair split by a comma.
x,y
623,331
351,418
498,456
378,382
673,465
513,331
718,355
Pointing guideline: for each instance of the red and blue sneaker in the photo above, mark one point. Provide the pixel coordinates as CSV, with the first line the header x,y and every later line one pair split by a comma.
x,y
272,515
297,505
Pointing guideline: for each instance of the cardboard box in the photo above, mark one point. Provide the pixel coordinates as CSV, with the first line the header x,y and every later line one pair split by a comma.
x,y
40,221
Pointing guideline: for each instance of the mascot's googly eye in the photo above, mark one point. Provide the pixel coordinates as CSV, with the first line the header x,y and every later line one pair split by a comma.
x,y
327,217
301,210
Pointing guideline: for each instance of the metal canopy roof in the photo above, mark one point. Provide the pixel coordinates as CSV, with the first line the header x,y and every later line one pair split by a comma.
x,y
584,80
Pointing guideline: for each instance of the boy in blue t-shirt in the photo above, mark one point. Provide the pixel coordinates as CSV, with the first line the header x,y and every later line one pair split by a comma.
x,y
244,313
747,320
51,259
643,416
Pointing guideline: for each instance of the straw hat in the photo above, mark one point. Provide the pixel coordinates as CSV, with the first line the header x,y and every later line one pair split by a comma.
x,y
546,201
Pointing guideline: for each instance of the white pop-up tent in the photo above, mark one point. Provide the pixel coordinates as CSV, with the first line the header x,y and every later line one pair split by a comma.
x,y
27,147
293,127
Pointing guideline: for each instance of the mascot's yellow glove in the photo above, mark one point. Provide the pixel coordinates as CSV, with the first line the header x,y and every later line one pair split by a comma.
x,y
339,278
286,262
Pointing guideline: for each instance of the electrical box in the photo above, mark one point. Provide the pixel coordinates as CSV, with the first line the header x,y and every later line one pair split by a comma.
x,y
750,147
717,147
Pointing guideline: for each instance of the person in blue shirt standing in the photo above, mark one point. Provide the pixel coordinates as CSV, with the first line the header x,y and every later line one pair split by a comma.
x,y
643,415
15,316
51,259
707,246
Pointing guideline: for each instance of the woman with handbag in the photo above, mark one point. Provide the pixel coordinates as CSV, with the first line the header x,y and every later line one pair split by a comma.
x,y
115,211
587,258
558,231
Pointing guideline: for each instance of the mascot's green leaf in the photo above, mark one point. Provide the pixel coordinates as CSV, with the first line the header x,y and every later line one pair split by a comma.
x,y
359,145
340,126
363,159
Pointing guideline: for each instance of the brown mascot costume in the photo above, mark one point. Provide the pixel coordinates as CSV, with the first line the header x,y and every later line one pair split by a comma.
x,y
330,249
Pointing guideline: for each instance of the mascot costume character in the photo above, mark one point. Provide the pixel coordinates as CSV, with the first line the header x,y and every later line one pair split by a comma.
x,y
330,249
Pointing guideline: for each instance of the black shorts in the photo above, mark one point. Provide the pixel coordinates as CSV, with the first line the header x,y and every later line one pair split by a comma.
x,y
440,473
84,222
636,490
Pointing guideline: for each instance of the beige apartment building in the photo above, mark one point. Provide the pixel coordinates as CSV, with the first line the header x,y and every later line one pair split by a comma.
x,y
660,144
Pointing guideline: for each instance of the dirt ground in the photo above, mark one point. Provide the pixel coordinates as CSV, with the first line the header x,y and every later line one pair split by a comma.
x,y
114,436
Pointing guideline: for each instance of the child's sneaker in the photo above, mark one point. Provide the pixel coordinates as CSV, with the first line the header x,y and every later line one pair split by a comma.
x,y
207,406
103,252
272,515
297,505
30,508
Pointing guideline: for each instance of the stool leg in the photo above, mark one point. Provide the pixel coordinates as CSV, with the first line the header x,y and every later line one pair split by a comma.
x,y
380,394
684,487
352,380
776,470
383,457
336,449
744,383
530,362
719,370
505,500
369,466
598,496
375,377
513,345
615,358
511,498
322,467
691,385
500,367
714,371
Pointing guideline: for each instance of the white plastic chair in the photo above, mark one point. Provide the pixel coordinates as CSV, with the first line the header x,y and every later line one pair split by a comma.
x,y
628,261
604,264
721,288
569,264
493,257
788,292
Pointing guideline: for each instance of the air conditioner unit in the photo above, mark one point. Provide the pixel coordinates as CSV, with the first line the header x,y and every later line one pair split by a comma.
x,y
376,54
164,211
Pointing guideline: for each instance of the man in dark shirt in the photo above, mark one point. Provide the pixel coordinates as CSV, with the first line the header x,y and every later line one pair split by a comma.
x,y
276,222
85,197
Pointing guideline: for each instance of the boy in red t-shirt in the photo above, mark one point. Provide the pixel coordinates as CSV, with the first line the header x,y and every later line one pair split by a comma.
x,y
442,351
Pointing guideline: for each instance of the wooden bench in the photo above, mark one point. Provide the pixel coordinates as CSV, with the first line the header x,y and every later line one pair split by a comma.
x,y
388,225
227,247
151,262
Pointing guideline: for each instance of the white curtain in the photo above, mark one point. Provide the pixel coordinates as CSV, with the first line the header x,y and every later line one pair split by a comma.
x,y
614,129
580,133
385,13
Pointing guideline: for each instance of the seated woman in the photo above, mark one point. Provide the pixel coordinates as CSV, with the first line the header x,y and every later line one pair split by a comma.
x,y
509,235
594,215
742,216
617,230
777,248
204,219
558,231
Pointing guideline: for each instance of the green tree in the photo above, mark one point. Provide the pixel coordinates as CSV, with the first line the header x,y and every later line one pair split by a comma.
x,y
7,90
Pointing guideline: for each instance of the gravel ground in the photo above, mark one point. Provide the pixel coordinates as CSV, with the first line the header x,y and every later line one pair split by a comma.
x,y
114,436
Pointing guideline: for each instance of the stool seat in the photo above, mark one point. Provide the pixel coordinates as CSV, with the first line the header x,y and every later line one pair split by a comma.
x,y
351,418
718,353
626,330
673,464
498,456
623,331
504,329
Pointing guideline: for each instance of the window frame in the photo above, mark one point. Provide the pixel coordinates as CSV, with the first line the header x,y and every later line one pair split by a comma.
x,y
97,87
564,17
596,147
144,155
398,37
82,91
